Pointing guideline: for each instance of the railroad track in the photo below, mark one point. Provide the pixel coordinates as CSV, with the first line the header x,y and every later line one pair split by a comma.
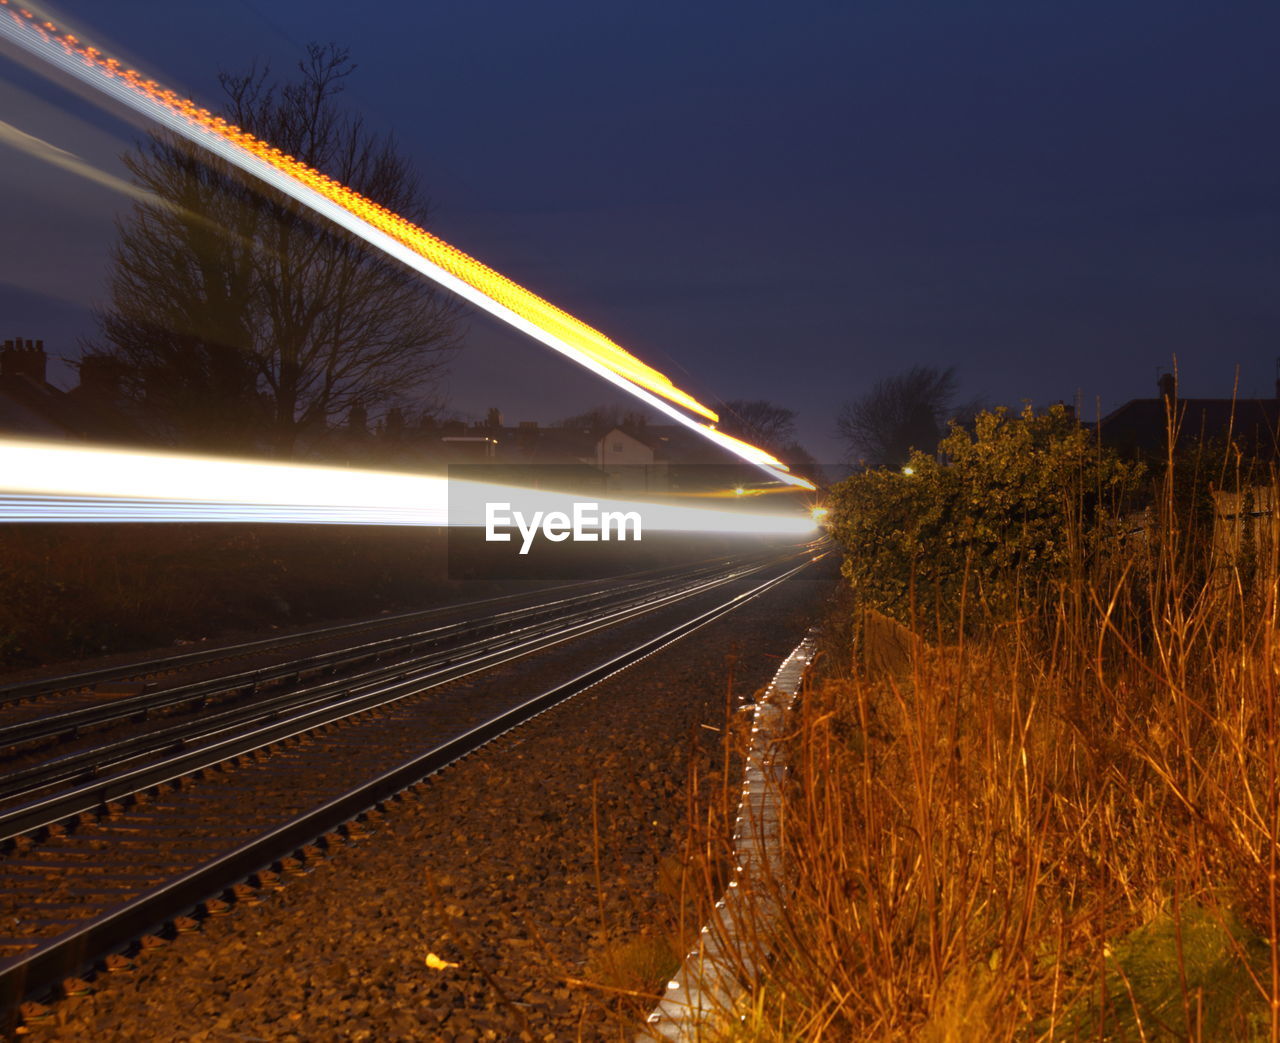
x,y
372,676
168,670
161,836
266,693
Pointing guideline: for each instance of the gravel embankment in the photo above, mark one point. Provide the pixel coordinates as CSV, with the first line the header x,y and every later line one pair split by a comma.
x,y
490,866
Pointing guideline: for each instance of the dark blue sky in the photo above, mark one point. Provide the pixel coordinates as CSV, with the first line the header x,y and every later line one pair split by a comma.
x,y
767,200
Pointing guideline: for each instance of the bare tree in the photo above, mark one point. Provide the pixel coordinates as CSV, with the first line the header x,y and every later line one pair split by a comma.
x,y
771,427
759,422
602,418
241,317
901,413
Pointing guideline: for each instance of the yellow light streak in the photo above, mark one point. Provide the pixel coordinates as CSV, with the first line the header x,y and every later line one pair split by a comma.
x,y
394,234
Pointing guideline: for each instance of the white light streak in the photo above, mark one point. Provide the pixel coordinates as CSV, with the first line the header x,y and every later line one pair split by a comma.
x,y
45,482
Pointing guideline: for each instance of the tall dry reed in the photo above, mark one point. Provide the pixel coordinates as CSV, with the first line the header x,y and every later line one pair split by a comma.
x,y
1064,827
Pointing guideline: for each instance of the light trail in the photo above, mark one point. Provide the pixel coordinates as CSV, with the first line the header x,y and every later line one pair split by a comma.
x,y
387,231
44,482
45,509
69,161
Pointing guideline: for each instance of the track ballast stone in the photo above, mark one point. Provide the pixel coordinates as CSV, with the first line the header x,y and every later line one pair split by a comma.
x,y
474,911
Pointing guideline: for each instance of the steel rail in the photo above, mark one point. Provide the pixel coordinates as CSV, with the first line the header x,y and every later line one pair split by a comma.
x,y
18,691
89,763
36,972
70,722
204,746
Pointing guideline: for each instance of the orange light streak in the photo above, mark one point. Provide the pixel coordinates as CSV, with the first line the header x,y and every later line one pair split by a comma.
x,y
563,331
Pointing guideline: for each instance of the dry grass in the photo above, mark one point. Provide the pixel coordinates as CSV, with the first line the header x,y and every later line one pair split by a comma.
x,y
1065,829
630,966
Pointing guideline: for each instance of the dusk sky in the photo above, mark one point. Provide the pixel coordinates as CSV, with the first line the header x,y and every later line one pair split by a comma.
x,y
780,201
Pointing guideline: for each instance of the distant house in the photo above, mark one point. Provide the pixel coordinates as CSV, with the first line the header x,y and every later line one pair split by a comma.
x,y
472,449
625,459
1139,428
31,407
630,464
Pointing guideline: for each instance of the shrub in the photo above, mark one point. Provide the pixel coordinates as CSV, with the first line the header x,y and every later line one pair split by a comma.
x,y
1011,507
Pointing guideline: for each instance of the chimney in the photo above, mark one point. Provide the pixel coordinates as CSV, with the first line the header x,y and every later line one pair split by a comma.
x,y
19,358
394,424
1168,385
358,419
101,376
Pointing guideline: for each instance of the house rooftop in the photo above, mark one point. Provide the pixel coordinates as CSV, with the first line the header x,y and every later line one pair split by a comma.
x,y
1140,426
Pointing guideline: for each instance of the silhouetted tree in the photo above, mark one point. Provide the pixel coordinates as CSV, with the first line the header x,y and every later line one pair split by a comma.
x,y
771,427
241,318
602,418
901,413
801,462
759,422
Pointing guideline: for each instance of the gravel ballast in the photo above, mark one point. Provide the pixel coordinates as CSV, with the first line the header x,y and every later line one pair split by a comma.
x,y
521,894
